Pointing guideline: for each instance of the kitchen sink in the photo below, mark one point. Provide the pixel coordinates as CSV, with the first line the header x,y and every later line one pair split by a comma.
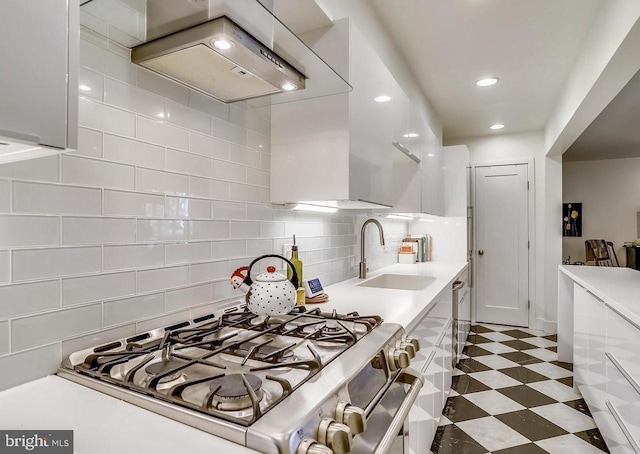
x,y
399,282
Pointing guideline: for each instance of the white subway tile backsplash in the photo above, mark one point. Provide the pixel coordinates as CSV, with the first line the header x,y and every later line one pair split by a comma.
x,y
257,212
208,105
190,296
29,298
206,187
5,268
182,207
211,271
5,196
208,146
188,252
159,181
89,143
272,229
96,115
133,204
162,278
265,161
161,133
55,199
107,63
41,329
258,177
4,338
77,230
265,195
88,171
258,141
228,131
162,229
260,247
91,83
244,155
184,116
87,289
132,98
29,365
244,193
191,163
29,231
228,210
231,248
228,171
162,86
223,290
39,169
208,230
244,229
133,256
132,309
30,264
131,151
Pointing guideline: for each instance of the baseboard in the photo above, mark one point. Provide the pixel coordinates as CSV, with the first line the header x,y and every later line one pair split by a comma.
x,y
550,327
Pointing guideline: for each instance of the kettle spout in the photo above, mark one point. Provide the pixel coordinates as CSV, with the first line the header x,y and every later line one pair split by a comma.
x,y
237,279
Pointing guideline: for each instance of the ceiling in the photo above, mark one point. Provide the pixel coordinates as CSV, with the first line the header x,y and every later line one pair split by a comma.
x,y
529,45
615,132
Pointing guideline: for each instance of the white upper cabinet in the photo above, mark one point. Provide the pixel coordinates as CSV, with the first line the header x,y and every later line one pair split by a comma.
x,y
339,149
38,88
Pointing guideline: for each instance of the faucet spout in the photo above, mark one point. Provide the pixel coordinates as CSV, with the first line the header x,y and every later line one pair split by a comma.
x,y
363,260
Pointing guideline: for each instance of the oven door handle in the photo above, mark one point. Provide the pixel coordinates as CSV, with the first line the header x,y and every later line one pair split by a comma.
x,y
413,378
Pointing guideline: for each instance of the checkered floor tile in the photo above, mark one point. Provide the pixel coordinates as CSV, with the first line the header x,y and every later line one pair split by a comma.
x,y
511,395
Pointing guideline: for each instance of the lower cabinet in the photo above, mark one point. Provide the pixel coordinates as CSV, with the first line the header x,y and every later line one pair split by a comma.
x,y
434,362
607,369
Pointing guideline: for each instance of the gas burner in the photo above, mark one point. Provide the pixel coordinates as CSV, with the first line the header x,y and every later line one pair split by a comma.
x,y
161,367
230,393
263,352
332,327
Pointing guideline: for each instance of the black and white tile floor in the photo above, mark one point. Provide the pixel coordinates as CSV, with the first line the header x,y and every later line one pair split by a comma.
x,y
510,395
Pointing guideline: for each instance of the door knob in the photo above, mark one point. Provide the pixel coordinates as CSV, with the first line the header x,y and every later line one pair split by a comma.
x,y
481,252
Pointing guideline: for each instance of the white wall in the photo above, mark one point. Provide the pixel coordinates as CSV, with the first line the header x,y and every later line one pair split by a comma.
x,y
609,191
448,236
546,240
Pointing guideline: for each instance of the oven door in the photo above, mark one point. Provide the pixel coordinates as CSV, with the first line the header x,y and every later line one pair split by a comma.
x,y
386,419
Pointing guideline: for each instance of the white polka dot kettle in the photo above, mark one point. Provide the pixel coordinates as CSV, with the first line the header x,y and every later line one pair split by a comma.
x,y
271,293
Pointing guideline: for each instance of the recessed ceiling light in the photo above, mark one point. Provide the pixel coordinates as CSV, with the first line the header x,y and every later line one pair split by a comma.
x,y
497,126
411,135
84,87
486,82
431,155
288,86
222,44
382,98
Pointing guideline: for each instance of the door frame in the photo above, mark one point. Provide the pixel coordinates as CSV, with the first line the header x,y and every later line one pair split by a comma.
x,y
534,322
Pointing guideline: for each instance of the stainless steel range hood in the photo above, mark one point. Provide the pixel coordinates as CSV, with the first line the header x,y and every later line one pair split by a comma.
x,y
231,50
220,59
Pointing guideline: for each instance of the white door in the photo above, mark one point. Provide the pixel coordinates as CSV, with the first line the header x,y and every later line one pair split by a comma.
x,y
502,256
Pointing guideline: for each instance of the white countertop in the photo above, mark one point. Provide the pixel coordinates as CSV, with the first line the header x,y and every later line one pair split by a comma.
x,y
397,306
618,287
104,425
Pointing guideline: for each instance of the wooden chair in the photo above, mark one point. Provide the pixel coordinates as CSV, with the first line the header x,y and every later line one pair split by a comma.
x,y
600,253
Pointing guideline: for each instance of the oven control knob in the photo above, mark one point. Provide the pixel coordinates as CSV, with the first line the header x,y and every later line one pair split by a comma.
x,y
335,435
415,342
407,347
310,446
398,359
351,416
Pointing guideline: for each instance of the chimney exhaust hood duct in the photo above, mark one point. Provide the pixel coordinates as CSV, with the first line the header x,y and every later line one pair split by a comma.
x,y
219,59
231,50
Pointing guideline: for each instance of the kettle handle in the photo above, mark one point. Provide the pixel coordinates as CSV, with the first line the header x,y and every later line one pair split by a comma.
x,y
294,277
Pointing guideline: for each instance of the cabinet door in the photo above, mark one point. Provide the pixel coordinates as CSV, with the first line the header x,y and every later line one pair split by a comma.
x,y
371,124
432,175
35,66
423,418
580,337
